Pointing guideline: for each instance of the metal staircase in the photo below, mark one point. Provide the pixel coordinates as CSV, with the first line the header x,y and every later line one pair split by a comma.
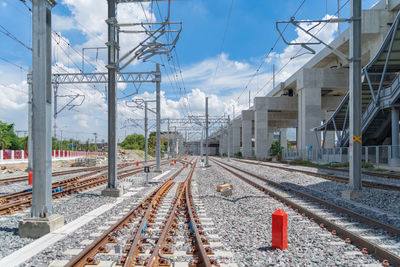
x,y
380,92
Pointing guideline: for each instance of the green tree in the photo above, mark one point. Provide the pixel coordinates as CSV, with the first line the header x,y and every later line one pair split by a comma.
x,y
134,141
8,138
275,148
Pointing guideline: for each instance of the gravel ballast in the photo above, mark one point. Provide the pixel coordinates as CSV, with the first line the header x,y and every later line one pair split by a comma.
x,y
244,223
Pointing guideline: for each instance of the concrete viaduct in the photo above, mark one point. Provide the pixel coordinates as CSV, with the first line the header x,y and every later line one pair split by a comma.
x,y
310,96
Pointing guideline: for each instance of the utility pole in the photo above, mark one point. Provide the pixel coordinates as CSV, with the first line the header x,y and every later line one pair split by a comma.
x,y
175,143
158,117
95,140
229,138
273,76
38,224
112,186
207,132
201,145
145,133
338,14
30,121
168,148
355,102
249,99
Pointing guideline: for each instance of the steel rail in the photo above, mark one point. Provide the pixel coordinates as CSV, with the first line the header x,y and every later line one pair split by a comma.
x,y
328,176
379,252
204,259
184,190
22,178
90,251
70,188
130,258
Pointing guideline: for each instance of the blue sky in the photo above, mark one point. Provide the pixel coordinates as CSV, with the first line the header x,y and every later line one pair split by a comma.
x,y
249,36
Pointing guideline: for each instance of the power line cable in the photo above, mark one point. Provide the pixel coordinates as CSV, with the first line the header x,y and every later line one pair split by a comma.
x,y
224,38
298,51
4,31
12,63
268,54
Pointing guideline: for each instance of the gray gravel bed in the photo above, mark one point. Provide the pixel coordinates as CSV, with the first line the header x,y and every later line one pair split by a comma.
x,y
244,224
383,205
368,178
72,207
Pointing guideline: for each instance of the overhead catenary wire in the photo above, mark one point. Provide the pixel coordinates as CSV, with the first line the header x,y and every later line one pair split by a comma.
x,y
4,31
223,39
268,54
298,51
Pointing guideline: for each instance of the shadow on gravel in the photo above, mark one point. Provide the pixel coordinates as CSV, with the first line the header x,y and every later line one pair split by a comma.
x,y
235,199
10,230
87,195
266,249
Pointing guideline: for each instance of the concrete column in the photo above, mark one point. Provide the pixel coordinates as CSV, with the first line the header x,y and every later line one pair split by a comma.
x,y
221,144
235,136
261,128
309,116
329,139
283,138
247,118
395,160
225,142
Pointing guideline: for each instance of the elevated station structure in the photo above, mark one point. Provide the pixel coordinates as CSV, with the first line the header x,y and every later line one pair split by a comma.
x,y
317,94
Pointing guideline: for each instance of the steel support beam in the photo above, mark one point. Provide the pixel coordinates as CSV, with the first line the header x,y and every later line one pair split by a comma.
x,y
30,121
158,118
229,138
355,144
145,133
395,133
112,95
207,132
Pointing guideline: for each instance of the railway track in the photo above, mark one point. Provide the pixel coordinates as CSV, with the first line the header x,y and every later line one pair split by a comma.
x,y
383,175
19,200
326,176
23,178
354,228
146,236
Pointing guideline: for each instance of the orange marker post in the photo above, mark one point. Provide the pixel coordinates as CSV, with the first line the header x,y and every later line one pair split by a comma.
x,y
30,178
279,229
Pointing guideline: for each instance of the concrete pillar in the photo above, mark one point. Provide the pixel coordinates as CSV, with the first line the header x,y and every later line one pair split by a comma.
x,y
261,127
225,142
309,116
247,118
329,139
395,160
221,144
283,138
236,136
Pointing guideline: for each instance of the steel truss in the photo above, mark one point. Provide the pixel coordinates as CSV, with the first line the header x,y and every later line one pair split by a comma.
x,y
102,77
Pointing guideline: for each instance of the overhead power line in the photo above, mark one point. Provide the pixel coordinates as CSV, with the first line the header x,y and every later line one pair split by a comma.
x,y
12,63
13,37
228,20
298,51
268,54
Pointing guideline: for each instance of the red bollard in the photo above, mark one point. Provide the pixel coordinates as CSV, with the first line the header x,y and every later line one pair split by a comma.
x,y
185,158
174,161
279,229
137,163
30,178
